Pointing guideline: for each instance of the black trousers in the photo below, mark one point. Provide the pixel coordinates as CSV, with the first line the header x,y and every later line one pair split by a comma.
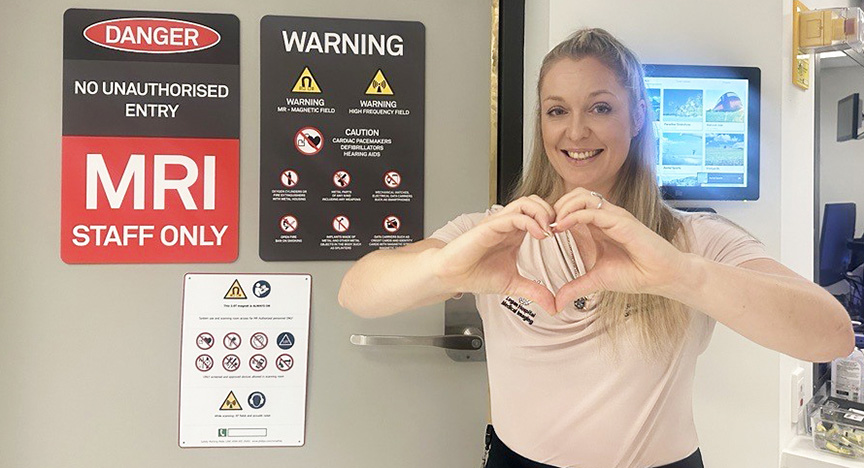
x,y
500,456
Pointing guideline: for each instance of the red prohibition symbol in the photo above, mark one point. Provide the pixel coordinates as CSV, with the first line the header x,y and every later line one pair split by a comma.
x,y
258,362
341,223
204,363
232,341
204,341
392,224
288,224
284,362
231,362
289,178
392,179
258,340
309,141
341,178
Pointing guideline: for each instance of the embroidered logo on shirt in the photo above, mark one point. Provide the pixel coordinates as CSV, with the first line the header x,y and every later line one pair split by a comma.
x,y
524,313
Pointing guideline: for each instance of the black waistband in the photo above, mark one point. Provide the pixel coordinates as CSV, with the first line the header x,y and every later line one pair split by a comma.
x,y
500,456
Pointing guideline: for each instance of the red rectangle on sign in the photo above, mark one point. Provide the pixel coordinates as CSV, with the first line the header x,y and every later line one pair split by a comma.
x,y
149,200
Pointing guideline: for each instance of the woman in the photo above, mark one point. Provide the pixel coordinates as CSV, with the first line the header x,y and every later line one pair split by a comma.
x,y
596,296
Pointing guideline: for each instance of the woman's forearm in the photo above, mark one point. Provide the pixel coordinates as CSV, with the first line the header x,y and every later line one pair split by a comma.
x,y
389,281
791,315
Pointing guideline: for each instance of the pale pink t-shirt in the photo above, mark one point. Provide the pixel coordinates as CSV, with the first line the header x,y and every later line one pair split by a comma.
x,y
556,400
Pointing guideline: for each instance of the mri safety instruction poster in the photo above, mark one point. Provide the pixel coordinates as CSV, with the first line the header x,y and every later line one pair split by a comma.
x,y
151,137
244,359
341,137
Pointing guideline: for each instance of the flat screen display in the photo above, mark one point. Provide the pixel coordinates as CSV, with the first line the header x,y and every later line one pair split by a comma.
x,y
706,119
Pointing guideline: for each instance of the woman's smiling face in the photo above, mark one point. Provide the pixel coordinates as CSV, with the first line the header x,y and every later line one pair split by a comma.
x,y
585,119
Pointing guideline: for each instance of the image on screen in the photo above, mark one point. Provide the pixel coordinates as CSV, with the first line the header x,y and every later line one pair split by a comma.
x,y
701,129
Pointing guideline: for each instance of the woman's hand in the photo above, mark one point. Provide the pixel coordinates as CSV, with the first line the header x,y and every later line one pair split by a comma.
x,y
483,260
631,258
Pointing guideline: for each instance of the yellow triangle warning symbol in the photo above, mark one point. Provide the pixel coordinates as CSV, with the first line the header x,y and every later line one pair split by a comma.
x,y
230,403
379,85
306,83
235,291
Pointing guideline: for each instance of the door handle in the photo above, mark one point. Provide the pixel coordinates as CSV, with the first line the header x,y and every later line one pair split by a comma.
x,y
471,340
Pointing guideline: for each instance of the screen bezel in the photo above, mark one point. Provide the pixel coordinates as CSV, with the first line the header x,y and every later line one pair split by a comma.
x,y
853,102
753,76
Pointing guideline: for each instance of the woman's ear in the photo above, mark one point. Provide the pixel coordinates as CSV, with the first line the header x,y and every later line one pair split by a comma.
x,y
640,118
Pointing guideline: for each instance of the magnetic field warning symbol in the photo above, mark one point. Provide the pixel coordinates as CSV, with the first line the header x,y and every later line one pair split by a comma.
x,y
230,403
379,85
306,83
235,291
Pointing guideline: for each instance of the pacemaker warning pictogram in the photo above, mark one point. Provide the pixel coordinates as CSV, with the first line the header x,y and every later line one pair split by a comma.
x,y
379,85
306,83
235,291
230,403
309,141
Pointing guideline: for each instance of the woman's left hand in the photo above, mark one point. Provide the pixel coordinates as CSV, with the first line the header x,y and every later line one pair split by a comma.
x,y
631,258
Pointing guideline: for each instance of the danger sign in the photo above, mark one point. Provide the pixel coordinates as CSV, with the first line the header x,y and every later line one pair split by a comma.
x,y
151,148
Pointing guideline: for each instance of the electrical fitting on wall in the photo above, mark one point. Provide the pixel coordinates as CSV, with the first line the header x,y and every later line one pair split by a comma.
x,y
831,29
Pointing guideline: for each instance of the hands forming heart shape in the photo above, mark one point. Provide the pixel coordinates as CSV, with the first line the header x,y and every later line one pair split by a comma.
x,y
630,257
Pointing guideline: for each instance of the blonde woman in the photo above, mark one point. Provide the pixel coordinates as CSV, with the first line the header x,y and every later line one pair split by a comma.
x,y
596,296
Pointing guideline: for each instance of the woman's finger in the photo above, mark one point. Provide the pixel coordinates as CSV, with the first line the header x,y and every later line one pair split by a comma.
x,y
507,224
531,207
523,287
579,287
567,197
583,201
613,224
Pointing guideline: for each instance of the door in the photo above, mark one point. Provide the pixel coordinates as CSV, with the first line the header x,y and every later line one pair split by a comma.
x,y
89,354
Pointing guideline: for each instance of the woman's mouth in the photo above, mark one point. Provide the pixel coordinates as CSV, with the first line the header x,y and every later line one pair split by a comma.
x,y
582,155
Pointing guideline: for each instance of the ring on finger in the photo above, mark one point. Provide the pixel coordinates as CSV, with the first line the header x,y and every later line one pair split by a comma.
x,y
599,205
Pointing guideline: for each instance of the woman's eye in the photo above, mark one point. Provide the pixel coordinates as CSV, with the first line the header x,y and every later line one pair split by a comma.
x,y
555,111
602,109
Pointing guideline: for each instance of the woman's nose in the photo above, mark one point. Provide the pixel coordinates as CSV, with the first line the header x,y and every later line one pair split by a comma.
x,y
577,128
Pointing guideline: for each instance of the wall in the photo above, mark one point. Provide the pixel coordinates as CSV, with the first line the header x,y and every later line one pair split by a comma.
x,y
89,354
741,394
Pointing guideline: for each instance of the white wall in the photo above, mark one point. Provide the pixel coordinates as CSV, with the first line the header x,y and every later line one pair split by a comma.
x,y
841,164
741,394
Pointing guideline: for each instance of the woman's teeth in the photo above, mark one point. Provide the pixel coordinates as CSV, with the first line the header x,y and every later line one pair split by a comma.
x,y
583,154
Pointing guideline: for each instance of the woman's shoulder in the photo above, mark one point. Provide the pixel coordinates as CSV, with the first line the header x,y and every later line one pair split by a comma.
x,y
716,237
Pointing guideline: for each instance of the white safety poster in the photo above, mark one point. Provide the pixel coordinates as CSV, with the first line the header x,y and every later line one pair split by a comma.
x,y
243,360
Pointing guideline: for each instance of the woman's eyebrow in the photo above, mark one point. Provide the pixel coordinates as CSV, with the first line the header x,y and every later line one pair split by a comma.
x,y
600,91
591,95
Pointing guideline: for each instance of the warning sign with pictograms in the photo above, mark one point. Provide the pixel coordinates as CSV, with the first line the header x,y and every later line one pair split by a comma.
x,y
235,291
306,83
342,137
233,353
379,85
151,137
230,403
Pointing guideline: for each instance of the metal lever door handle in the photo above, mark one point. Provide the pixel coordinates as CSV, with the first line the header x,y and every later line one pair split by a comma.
x,y
471,340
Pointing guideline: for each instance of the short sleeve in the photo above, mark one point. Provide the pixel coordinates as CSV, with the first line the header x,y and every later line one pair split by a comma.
x,y
461,224
722,241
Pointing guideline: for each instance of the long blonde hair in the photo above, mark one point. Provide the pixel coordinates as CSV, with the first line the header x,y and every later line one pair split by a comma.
x,y
661,322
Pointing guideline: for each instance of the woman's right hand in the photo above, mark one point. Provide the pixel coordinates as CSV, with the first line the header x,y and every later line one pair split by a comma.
x,y
483,259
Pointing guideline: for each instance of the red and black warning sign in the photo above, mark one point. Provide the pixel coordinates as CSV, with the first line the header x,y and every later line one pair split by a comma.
x,y
342,136
151,128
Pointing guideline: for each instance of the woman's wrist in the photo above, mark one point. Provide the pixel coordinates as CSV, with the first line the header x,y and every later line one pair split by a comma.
x,y
687,280
430,260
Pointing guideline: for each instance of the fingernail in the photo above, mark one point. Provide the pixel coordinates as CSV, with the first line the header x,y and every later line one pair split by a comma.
x,y
553,225
548,234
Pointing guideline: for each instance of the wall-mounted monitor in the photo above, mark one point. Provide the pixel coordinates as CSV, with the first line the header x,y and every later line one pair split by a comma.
x,y
706,119
849,118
